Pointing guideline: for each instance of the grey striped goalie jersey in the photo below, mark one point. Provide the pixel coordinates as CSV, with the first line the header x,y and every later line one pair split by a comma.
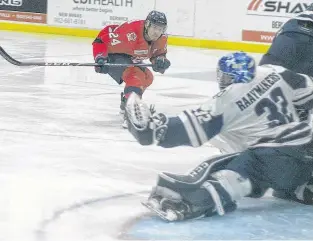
x,y
260,113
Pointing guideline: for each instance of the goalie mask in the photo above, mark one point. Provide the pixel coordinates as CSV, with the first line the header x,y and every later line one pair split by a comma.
x,y
237,67
155,25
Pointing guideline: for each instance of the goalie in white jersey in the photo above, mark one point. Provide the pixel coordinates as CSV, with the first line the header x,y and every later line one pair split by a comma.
x,y
255,115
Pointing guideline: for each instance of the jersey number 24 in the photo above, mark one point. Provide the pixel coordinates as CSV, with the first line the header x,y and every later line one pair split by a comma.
x,y
113,37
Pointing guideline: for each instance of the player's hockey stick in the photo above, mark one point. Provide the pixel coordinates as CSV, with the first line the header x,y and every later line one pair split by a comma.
x,y
8,58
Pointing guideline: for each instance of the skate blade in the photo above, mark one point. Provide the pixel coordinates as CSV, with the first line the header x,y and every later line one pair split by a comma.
x,y
124,125
163,215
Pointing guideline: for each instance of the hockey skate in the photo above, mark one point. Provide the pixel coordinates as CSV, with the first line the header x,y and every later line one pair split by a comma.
x,y
122,111
165,209
170,211
181,197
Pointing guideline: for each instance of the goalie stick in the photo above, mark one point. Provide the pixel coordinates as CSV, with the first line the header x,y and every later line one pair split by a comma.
x,y
11,60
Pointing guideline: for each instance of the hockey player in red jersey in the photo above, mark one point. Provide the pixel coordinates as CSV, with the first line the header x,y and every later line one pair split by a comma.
x,y
133,42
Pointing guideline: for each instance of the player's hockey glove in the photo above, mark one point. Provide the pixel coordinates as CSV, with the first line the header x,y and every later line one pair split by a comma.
x,y
160,64
146,127
102,60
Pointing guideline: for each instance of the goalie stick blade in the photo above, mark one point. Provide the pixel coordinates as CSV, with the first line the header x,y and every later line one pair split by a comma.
x,y
169,216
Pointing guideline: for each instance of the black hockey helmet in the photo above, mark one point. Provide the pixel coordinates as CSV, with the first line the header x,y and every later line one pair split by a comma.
x,y
157,18
155,25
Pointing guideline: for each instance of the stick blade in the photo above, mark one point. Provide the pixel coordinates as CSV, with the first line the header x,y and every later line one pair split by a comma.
x,y
8,58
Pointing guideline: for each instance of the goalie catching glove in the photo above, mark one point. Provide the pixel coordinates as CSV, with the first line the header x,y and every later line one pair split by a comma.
x,y
148,128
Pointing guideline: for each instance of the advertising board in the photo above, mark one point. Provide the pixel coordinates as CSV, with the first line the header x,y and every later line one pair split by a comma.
x,y
264,18
30,11
94,14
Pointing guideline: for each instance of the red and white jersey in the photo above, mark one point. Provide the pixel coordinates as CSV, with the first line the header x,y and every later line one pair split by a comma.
x,y
128,38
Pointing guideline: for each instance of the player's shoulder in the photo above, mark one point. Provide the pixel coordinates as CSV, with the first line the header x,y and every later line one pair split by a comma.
x,y
135,26
287,75
108,28
135,23
271,68
235,91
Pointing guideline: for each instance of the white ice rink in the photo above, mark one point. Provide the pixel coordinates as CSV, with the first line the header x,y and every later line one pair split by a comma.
x,y
68,171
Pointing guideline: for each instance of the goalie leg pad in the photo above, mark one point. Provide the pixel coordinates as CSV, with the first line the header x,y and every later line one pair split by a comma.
x,y
236,185
174,200
197,176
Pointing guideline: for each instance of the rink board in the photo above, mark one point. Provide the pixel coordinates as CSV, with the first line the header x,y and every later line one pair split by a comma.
x,y
172,40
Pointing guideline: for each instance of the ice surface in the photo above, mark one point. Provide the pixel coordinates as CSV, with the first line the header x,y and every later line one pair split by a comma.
x,y
70,172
